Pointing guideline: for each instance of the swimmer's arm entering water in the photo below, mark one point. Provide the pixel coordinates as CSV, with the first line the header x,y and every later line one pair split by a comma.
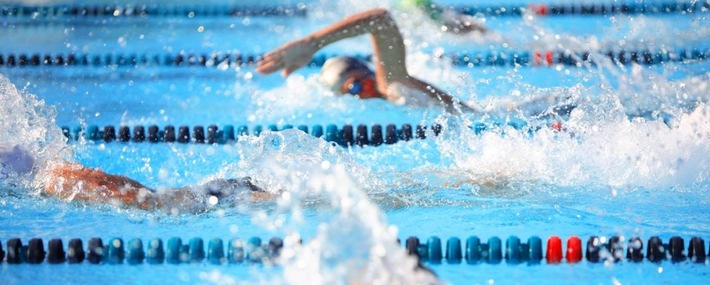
x,y
389,52
72,181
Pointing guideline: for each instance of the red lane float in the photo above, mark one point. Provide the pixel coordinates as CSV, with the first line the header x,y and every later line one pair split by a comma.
x,y
574,250
554,250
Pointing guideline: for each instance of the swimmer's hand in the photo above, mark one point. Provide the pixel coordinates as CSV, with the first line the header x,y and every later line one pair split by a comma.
x,y
289,57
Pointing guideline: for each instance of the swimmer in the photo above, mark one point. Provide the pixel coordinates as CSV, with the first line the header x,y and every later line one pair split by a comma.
x,y
450,20
346,75
72,181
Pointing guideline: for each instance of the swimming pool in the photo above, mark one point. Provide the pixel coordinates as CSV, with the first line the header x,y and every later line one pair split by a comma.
x,y
632,161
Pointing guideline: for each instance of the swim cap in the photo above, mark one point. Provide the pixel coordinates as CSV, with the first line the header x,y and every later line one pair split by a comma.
x,y
336,70
14,159
431,9
416,3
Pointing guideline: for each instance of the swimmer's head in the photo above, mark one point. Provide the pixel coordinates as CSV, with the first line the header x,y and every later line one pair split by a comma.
x,y
349,75
15,159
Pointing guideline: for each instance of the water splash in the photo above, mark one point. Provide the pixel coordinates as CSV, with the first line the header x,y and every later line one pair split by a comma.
x,y
596,148
27,122
353,242
357,245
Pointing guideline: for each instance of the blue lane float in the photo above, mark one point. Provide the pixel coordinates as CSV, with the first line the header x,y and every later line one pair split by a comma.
x,y
116,252
494,253
172,252
197,250
345,136
513,251
533,250
155,253
473,251
434,246
235,251
143,11
254,251
453,250
134,251
215,251
545,58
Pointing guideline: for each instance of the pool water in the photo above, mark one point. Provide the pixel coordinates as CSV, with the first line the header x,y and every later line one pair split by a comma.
x,y
632,159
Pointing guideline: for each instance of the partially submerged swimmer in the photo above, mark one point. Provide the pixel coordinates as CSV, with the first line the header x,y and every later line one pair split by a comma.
x,y
346,75
72,181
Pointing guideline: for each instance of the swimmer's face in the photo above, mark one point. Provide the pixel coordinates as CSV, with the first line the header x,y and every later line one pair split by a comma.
x,y
361,84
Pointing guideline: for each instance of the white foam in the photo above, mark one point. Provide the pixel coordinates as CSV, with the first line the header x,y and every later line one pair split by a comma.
x,y
27,122
353,242
599,146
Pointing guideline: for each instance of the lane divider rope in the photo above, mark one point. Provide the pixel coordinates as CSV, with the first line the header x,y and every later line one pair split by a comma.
x,y
142,10
469,59
255,251
588,9
346,136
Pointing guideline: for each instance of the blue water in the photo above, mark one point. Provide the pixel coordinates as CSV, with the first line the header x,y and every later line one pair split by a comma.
x,y
606,175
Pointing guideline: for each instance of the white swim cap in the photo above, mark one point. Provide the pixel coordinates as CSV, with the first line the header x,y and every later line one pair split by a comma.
x,y
335,70
15,159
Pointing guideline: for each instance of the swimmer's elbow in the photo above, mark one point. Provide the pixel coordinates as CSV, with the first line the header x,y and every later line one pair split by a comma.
x,y
381,13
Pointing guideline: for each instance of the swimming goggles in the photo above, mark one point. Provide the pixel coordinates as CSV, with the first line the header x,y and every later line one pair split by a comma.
x,y
355,87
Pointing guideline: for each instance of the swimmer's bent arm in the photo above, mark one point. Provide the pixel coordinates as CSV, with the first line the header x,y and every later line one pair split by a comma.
x,y
389,52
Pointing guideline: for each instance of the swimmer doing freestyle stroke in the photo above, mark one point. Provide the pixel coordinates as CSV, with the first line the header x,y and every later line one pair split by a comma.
x,y
347,75
391,80
74,182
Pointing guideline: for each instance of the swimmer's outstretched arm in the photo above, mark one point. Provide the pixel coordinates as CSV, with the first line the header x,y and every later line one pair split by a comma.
x,y
389,52
72,181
